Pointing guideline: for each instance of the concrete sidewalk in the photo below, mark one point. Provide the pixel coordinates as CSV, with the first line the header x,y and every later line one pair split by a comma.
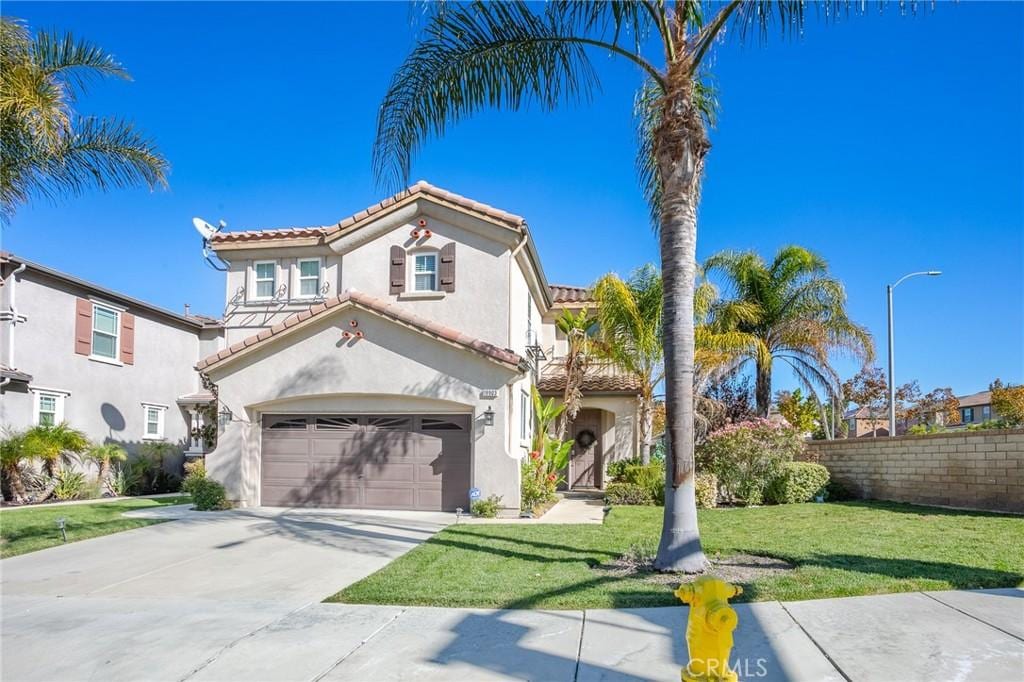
x,y
976,635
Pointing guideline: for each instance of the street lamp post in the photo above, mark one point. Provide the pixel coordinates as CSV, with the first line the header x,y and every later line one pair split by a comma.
x,y
892,354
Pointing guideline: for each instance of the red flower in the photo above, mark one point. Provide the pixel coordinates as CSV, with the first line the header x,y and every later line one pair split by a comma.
x,y
534,455
552,477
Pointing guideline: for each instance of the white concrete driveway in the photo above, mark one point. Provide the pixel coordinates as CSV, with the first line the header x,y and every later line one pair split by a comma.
x,y
158,603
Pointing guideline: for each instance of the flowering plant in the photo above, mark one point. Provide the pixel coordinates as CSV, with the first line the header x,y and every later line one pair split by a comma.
x,y
746,457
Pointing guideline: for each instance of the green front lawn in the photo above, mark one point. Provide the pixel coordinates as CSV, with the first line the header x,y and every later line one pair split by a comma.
x,y
840,549
31,528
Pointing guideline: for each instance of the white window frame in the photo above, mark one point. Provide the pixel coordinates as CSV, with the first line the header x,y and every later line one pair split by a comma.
x,y
161,412
256,279
525,422
299,278
58,395
117,333
413,255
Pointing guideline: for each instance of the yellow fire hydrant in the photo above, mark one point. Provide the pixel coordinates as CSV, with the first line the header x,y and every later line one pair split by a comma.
x,y
709,629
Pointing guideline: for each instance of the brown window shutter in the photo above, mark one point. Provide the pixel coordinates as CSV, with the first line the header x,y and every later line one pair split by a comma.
x,y
83,326
396,273
446,271
127,339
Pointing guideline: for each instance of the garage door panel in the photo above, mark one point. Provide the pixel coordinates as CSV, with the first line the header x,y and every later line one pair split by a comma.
x,y
376,461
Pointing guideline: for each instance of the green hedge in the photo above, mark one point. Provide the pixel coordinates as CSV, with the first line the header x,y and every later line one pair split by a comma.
x,y
798,482
628,493
706,491
209,495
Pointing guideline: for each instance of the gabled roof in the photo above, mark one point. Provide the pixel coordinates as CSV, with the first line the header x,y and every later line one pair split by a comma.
x,y
194,321
356,220
976,399
14,375
382,308
562,293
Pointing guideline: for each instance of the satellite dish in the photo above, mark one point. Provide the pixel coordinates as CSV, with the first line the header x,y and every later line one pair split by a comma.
x,y
205,229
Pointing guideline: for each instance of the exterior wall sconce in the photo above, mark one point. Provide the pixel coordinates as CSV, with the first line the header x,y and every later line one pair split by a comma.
x,y
489,416
224,416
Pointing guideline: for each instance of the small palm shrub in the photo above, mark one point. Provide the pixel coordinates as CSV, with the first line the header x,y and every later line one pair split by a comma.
x,y
798,482
71,485
487,508
706,490
628,494
209,495
748,456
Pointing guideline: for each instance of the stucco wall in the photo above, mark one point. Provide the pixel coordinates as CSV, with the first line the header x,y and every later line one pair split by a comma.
x,y
105,400
392,369
978,469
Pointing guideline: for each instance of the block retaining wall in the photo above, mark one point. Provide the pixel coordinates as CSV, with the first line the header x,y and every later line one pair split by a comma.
x,y
976,469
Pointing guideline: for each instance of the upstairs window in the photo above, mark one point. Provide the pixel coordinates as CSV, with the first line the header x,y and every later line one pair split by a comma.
x,y
309,278
425,272
266,279
106,322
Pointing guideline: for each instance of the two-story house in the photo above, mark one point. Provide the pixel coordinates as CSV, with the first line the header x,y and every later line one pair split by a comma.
x,y
119,369
387,360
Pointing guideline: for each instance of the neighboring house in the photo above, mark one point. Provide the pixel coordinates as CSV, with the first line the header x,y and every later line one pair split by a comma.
x,y
976,408
863,422
387,361
116,368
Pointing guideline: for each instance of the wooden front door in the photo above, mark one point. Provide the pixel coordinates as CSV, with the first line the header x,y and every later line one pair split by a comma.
x,y
585,468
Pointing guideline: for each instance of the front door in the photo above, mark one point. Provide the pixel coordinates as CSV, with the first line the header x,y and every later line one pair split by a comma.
x,y
586,450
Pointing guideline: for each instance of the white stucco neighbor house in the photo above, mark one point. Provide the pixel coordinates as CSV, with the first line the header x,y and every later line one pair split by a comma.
x,y
387,360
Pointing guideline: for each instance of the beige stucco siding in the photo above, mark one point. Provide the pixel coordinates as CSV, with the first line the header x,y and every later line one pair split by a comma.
x,y
392,369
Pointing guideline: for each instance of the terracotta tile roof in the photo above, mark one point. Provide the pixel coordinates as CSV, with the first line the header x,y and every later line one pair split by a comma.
x,y
595,383
561,293
14,375
353,221
382,308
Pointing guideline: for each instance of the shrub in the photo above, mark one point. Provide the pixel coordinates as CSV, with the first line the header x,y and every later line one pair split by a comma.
x,y
127,480
706,491
487,508
195,471
617,468
209,495
651,478
798,482
746,457
538,484
627,493
924,429
71,485
837,491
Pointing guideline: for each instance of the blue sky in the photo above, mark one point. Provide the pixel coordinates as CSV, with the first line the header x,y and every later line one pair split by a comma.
x,y
887,143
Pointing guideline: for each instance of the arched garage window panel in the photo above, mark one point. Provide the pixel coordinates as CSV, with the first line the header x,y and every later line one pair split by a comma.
x,y
432,424
337,423
287,424
389,423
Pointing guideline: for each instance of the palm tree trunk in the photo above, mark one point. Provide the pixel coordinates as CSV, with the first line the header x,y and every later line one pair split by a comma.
x,y
763,389
646,419
104,475
680,144
17,486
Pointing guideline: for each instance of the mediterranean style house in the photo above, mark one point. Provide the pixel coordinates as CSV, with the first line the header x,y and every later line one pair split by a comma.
x,y
385,361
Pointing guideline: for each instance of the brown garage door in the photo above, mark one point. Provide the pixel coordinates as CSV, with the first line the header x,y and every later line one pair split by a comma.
x,y
390,461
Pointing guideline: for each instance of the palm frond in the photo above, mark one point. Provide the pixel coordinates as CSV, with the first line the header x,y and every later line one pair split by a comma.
x,y
77,61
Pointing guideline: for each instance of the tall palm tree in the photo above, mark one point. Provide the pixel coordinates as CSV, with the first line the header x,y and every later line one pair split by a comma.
x,y
509,54
800,318
577,328
47,151
629,335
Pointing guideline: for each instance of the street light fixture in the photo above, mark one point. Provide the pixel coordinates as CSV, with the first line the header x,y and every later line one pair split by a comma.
x,y
892,361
